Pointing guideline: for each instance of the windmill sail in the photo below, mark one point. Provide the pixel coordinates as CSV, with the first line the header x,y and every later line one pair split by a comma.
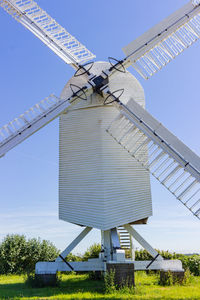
x,y
29,14
157,47
169,160
34,119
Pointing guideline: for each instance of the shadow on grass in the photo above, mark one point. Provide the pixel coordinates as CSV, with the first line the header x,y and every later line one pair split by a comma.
x,y
67,286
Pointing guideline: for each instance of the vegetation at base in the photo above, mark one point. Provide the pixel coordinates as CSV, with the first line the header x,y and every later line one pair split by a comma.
x,y
92,252
75,286
109,281
191,262
19,255
35,281
169,278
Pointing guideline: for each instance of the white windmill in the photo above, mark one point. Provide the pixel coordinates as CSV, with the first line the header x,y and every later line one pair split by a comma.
x,y
108,142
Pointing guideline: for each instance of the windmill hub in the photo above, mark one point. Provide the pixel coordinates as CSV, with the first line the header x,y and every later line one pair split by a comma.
x,y
126,81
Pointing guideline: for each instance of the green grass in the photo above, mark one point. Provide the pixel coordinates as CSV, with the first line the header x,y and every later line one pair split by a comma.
x,y
81,287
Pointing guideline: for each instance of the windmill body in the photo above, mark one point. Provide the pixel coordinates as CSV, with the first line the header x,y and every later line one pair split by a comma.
x,y
100,185
108,142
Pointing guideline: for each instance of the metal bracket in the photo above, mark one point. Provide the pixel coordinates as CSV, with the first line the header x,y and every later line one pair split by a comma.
x,y
68,264
84,69
99,82
152,261
113,96
118,66
76,93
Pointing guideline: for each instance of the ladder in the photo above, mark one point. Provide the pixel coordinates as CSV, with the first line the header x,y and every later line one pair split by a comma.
x,y
29,122
125,240
171,162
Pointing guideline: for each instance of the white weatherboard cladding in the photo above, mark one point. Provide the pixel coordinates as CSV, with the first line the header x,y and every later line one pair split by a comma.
x,y
100,185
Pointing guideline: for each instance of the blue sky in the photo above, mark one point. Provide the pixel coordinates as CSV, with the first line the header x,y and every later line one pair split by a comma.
x,y
30,71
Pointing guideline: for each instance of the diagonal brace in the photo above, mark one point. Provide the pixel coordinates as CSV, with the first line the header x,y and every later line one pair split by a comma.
x,y
74,243
142,242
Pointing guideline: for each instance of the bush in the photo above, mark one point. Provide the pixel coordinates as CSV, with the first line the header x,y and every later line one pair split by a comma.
x,y
92,252
187,277
12,254
144,255
72,257
192,263
18,255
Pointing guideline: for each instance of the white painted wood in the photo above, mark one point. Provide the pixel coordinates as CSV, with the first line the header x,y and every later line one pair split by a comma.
x,y
142,241
158,46
98,265
119,255
107,247
29,126
125,239
53,35
169,160
34,119
151,36
74,243
166,265
99,184
156,130
53,267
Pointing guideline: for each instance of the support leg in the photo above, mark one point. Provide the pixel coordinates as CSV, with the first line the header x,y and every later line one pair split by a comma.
x,y
115,239
107,245
73,244
118,254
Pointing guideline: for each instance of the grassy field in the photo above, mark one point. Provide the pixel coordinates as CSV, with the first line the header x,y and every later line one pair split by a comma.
x,y
81,287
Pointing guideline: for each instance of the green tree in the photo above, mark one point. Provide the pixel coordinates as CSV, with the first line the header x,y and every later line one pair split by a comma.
x,y
18,255
92,252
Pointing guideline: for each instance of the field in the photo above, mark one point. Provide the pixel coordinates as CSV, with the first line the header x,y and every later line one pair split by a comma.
x,y
81,287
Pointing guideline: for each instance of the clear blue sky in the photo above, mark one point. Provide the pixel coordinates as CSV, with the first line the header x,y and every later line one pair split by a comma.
x,y
30,71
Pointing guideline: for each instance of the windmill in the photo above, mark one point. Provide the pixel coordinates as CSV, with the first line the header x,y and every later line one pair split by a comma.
x,y
108,142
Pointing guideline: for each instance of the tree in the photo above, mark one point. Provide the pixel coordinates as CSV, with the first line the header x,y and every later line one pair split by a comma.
x,y
92,252
18,255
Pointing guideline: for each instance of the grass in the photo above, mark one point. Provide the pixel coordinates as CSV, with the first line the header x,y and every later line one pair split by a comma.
x,y
81,287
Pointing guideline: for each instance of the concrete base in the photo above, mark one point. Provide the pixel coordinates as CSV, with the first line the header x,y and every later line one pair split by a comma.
x,y
124,273
176,276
